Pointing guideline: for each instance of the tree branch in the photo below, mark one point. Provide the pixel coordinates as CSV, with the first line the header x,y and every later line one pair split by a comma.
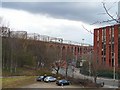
x,y
109,13
106,21
87,29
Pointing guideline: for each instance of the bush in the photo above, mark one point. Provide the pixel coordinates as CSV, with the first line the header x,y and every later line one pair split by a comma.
x,y
105,73
102,73
27,72
108,74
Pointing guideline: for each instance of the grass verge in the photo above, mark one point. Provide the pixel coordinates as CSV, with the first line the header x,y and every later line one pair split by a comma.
x,y
16,82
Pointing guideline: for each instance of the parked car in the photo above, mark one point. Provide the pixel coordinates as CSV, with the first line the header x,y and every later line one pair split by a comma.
x,y
50,79
63,82
40,78
100,84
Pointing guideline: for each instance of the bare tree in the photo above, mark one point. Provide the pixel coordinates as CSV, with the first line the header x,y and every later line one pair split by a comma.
x,y
70,56
115,19
57,65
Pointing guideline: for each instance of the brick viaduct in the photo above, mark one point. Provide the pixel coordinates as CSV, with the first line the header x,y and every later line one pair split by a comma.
x,y
76,50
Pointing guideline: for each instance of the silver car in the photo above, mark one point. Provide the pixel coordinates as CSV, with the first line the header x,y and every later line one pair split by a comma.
x,y
50,79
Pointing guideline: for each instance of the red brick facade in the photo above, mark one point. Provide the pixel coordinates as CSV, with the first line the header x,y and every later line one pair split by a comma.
x,y
106,46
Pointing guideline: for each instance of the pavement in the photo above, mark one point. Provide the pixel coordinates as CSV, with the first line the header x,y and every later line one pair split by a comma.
x,y
108,86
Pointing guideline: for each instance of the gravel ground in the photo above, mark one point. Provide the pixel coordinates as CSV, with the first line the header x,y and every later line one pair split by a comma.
x,y
49,85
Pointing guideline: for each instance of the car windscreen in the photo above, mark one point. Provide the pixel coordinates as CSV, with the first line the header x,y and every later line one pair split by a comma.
x,y
62,81
41,76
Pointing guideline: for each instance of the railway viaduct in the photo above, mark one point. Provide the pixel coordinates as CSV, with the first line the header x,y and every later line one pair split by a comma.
x,y
64,47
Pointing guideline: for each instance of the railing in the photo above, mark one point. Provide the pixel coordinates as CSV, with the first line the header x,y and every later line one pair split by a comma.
x,y
5,32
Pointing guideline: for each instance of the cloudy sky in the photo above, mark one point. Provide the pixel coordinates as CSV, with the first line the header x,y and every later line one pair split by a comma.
x,y
57,19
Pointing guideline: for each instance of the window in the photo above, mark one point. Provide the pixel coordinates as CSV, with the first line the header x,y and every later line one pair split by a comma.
x,y
102,38
102,32
112,47
110,35
112,31
97,38
112,40
112,54
78,49
102,52
98,35
105,32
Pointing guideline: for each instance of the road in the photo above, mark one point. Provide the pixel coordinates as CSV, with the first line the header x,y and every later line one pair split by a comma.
x,y
49,85
109,83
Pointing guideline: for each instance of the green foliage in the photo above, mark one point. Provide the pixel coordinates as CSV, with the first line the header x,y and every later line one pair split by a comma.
x,y
27,71
98,73
17,82
108,74
105,73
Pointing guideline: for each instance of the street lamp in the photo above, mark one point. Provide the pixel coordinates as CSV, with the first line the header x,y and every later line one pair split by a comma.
x,y
114,65
83,41
114,68
81,62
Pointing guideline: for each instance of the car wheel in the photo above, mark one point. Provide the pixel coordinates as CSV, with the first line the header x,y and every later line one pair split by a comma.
x,y
62,84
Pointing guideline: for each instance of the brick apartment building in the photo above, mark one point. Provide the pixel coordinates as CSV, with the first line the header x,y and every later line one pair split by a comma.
x,y
107,46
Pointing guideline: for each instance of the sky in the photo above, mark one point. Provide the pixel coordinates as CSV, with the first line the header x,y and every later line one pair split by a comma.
x,y
67,20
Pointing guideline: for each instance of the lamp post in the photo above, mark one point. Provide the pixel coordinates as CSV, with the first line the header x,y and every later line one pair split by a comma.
x,y
89,68
114,65
81,63
114,68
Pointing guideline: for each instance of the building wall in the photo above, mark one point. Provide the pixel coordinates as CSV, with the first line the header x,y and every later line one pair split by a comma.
x,y
119,47
106,46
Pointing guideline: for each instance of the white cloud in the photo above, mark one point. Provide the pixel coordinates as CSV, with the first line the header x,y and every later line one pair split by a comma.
x,y
46,25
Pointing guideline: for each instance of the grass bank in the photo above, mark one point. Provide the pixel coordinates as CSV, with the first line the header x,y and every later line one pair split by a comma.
x,y
26,72
16,82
